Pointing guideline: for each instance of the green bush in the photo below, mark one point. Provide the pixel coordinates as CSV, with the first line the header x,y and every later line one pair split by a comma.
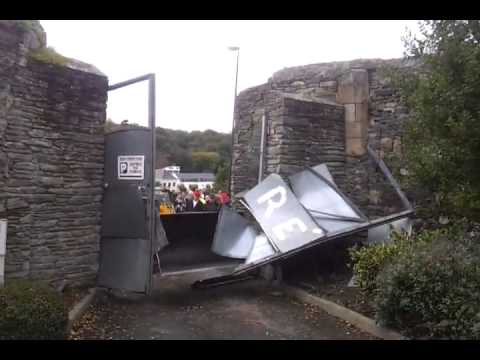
x,y
432,290
30,310
370,260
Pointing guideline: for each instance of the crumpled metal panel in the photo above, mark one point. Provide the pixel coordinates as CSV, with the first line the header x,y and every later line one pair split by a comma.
x,y
333,226
160,239
382,234
322,169
234,235
283,219
320,213
260,250
321,197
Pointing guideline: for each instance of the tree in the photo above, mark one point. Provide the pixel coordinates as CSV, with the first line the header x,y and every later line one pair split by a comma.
x,y
205,160
182,148
443,134
110,125
221,179
195,151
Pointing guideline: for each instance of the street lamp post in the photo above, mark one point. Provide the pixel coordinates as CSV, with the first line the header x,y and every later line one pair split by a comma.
x,y
237,49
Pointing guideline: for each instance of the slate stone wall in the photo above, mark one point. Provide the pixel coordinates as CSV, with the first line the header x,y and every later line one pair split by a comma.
x,y
51,163
305,128
249,109
304,133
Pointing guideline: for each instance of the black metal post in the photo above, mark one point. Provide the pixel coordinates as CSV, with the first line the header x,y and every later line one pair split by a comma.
x,y
152,126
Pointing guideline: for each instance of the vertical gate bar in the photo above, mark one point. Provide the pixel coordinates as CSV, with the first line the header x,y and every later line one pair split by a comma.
x,y
230,172
386,172
152,125
262,148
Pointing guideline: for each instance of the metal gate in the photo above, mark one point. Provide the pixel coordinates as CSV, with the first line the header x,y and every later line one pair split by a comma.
x,y
128,217
292,217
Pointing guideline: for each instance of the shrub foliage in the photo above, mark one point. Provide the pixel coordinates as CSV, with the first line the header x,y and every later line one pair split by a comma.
x,y
369,261
426,284
433,290
30,310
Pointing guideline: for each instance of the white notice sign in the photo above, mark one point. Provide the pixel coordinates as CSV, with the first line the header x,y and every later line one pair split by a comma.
x,y
131,167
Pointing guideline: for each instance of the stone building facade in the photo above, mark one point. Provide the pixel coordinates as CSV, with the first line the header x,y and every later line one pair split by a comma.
x,y
51,159
324,113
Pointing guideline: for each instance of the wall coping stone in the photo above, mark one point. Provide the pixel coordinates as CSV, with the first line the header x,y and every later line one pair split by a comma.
x,y
34,38
301,97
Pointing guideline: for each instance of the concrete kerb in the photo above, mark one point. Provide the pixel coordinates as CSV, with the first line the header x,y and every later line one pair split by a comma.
x,y
360,321
80,308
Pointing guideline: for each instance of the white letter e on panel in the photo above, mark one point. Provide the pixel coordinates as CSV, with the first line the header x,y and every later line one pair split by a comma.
x,y
280,229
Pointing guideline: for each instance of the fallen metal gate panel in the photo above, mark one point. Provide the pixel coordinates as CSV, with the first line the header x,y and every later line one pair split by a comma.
x,y
249,267
234,235
295,224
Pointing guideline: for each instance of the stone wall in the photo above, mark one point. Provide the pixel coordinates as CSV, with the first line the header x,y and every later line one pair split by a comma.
x,y
386,114
373,115
51,161
249,110
292,121
304,133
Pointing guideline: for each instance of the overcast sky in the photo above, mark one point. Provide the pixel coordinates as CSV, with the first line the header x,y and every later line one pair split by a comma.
x,y
195,72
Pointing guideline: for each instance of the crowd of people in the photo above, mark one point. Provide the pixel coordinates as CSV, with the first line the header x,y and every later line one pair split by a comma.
x,y
199,200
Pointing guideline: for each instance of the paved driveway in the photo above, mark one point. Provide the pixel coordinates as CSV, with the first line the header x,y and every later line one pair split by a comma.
x,y
247,310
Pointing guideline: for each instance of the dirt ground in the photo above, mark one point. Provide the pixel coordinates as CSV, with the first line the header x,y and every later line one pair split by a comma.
x,y
336,289
71,296
251,309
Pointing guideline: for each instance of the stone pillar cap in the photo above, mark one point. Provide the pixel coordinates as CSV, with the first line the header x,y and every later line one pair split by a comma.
x,y
34,36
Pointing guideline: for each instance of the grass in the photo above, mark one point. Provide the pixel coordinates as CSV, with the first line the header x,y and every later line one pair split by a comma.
x,y
50,56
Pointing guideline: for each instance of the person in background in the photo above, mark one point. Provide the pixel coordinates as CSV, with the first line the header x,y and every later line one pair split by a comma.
x,y
224,197
180,202
212,204
195,204
173,196
203,198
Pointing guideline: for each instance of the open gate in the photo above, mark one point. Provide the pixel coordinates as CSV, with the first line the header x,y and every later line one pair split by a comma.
x,y
128,217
